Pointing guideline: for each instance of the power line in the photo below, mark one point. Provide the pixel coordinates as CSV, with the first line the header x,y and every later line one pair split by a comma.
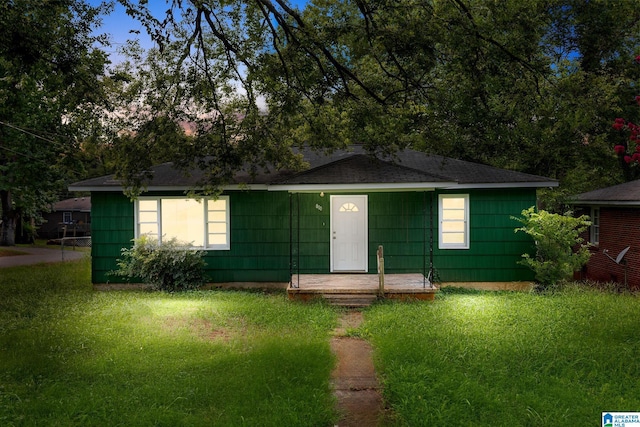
x,y
27,132
28,156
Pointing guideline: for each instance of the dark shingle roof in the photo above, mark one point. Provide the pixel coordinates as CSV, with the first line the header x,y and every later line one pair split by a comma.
x,y
622,194
359,168
77,204
353,166
464,172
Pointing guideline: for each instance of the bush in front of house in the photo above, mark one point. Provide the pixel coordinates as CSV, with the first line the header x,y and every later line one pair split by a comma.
x,y
168,266
559,248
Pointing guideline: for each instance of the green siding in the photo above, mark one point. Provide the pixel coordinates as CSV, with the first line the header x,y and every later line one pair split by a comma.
x,y
400,223
310,237
495,248
262,246
112,228
396,221
259,240
259,237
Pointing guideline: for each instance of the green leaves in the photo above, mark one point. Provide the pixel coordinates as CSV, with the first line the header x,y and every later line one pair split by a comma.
x,y
559,248
167,266
530,86
49,86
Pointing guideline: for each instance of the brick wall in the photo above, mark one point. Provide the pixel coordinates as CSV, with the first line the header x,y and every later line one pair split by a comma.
x,y
619,228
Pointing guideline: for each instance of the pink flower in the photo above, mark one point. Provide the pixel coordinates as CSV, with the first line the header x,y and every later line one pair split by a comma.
x,y
627,159
635,157
638,99
618,123
619,149
638,59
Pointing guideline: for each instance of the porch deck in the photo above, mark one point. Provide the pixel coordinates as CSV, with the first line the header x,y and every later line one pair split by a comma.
x,y
359,289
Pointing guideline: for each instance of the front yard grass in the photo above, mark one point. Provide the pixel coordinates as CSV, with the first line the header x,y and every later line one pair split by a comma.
x,y
508,359
72,356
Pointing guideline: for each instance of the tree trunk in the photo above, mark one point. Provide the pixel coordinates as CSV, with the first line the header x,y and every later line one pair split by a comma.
x,y
9,220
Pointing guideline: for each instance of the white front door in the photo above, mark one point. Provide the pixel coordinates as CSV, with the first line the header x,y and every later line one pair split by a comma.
x,y
349,239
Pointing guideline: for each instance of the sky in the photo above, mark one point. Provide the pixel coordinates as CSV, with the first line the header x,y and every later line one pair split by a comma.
x,y
119,25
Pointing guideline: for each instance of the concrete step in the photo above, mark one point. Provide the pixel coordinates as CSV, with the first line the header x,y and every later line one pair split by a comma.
x,y
350,300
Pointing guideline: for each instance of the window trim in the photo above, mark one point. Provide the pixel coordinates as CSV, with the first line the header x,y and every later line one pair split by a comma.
x,y
205,226
466,243
594,229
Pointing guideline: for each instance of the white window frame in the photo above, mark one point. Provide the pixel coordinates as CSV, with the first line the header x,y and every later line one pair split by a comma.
x,y
67,217
207,222
442,219
594,230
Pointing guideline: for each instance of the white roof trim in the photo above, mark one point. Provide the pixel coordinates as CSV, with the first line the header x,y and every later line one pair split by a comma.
x,y
302,188
541,184
166,188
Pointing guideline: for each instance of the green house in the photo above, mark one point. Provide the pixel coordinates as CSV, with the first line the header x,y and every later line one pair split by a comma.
x,y
447,219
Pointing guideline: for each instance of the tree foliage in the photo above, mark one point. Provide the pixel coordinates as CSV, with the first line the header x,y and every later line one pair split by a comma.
x,y
530,86
627,138
559,248
49,79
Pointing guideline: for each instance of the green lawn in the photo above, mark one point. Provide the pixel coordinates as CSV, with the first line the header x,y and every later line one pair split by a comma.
x,y
508,359
72,356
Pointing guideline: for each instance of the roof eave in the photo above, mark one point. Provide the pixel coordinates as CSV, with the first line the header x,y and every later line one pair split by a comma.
x,y
415,186
410,186
488,185
111,189
621,203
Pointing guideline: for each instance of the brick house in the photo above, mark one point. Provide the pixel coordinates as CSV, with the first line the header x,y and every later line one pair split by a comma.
x,y
615,217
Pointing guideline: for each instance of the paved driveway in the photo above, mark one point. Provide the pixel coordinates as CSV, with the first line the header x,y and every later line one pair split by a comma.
x,y
39,256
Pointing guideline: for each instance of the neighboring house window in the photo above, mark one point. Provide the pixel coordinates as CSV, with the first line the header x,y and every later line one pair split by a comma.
x,y
67,217
203,223
595,226
454,221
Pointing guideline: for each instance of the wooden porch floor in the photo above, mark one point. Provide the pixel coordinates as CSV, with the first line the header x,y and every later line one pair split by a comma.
x,y
359,289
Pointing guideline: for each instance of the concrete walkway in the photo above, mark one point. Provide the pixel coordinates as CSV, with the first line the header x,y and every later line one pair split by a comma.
x,y
35,255
354,379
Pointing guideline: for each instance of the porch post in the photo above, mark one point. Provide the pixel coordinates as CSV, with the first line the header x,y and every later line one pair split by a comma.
x,y
424,239
298,237
294,264
291,239
380,271
431,270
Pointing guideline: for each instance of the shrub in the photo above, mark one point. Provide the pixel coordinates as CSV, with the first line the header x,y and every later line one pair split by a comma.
x,y
559,248
168,266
